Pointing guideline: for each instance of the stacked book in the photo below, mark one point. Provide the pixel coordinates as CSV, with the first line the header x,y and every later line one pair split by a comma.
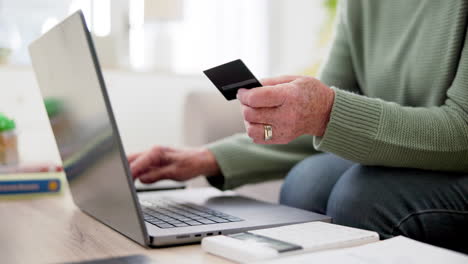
x,y
30,183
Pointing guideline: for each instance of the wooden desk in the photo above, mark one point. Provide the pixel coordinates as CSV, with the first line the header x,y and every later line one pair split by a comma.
x,y
53,230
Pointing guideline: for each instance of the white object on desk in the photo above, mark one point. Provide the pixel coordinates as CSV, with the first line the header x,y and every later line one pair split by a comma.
x,y
286,240
158,186
395,250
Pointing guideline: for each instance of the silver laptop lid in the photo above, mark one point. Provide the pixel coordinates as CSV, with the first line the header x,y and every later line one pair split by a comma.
x,y
69,75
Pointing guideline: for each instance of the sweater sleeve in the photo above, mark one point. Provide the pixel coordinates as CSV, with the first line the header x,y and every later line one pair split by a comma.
x,y
242,162
375,132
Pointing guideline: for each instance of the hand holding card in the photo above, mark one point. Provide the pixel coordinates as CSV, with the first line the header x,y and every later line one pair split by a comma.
x,y
230,77
286,108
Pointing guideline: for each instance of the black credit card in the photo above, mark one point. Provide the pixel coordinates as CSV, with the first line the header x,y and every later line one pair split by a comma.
x,y
230,77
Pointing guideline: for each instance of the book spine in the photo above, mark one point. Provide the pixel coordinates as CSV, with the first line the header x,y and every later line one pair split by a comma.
x,y
30,186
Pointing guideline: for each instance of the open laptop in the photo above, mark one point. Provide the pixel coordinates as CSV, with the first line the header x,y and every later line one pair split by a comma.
x,y
67,70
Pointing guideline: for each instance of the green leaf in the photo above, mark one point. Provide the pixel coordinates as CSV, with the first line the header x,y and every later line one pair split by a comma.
x,y
331,5
6,124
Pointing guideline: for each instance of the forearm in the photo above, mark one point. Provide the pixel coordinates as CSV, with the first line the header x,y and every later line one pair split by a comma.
x,y
241,161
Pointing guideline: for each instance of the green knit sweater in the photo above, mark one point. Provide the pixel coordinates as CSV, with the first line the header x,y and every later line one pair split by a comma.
x,y
400,72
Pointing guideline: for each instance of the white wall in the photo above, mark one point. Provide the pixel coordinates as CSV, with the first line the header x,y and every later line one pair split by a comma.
x,y
149,107
294,27
20,100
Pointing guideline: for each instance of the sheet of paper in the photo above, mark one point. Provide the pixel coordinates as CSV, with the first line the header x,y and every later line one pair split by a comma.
x,y
396,250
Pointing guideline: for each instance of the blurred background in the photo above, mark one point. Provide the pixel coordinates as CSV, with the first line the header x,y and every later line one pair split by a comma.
x,y
153,53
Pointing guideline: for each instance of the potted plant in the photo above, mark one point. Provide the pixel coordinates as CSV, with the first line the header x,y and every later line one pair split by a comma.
x,y
8,141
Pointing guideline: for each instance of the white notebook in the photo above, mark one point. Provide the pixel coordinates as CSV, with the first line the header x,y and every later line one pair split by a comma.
x,y
397,250
286,240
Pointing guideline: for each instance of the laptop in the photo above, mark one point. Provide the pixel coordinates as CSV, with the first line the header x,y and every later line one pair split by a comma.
x,y
87,135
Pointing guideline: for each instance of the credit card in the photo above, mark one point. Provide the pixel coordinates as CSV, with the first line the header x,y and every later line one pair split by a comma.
x,y
230,77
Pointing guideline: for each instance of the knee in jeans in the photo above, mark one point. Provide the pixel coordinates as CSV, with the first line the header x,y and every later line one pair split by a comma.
x,y
309,183
352,200
290,193
295,190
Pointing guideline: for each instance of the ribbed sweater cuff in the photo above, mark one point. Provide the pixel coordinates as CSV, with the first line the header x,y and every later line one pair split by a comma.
x,y
354,122
227,159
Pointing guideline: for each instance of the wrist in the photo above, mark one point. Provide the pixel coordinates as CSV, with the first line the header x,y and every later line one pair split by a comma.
x,y
327,109
209,164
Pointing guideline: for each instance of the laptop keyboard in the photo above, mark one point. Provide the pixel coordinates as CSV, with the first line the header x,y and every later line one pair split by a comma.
x,y
173,214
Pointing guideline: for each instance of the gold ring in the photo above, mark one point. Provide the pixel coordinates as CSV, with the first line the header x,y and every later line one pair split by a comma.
x,y
268,132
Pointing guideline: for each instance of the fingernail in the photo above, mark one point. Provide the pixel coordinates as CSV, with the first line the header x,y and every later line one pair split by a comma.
x,y
241,91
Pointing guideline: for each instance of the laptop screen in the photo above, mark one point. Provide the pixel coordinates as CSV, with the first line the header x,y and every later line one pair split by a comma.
x,y
68,73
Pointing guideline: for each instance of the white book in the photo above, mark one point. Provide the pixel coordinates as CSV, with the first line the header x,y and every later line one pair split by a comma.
x,y
287,240
391,251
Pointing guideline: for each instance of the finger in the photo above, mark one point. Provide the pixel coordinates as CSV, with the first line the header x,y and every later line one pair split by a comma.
x,y
152,159
266,96
144,161
256,132
264,115
132,157
279,80
168,172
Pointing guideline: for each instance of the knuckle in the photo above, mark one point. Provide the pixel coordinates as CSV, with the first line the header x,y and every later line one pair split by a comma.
x,y
251,99
248,113
154,153
269,93
155,149
164,158
289,77
183,163
291,90
168,175
244,97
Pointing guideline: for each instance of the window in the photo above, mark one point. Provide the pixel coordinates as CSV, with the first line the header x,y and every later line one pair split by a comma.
x,y
211,32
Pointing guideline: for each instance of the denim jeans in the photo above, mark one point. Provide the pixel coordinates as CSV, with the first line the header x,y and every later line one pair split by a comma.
x,y
428,206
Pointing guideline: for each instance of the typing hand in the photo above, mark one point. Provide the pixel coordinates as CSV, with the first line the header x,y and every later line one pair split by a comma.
x,y
160,163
